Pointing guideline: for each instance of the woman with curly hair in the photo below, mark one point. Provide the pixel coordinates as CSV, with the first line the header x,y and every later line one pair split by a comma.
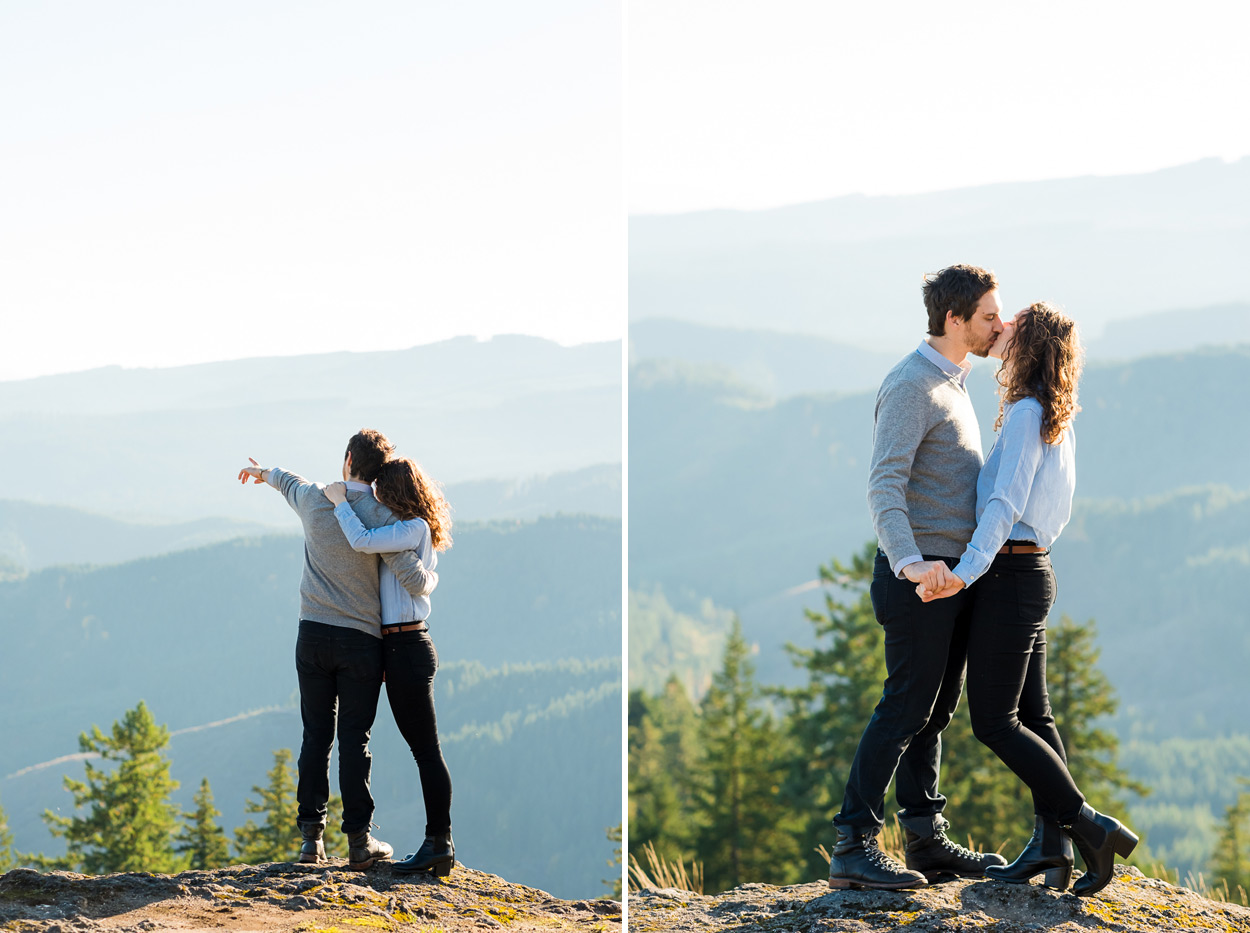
x,y
1024,499
409,657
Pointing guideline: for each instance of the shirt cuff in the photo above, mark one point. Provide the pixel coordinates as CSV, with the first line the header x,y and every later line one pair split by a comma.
x,y
903,562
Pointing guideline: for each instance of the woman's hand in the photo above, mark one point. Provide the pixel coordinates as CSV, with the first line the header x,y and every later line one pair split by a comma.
x,y
336,492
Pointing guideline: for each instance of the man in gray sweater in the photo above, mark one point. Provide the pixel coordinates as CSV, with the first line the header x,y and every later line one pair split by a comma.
x,y
338,653
922,491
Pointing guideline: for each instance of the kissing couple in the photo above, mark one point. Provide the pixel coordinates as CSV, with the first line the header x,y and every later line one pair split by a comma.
x,y
370,549
962,579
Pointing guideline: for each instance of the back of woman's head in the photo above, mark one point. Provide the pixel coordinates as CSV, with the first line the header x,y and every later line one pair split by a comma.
x,y
404,488
1044,361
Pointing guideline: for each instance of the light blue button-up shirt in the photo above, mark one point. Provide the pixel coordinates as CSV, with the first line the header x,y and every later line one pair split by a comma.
x,y
1024,492
398,605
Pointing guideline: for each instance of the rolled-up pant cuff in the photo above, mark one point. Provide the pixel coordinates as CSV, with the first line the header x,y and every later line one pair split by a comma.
x,y
930,824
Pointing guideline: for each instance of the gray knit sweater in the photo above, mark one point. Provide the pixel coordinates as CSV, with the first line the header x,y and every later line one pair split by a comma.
x,y
340,585
926,455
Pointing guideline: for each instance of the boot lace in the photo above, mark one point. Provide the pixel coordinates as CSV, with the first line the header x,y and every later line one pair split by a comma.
x,y
953,847
876,855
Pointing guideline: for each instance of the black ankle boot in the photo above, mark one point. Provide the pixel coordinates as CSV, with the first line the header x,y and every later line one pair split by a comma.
x,y
365,850
1049,851
436,855
313,850
939,859
1099,838
858,862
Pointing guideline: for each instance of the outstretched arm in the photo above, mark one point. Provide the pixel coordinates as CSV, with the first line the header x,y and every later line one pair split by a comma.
x,y
292,486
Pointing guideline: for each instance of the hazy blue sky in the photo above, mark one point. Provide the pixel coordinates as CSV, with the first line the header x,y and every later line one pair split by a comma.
x,y
197,181
755,104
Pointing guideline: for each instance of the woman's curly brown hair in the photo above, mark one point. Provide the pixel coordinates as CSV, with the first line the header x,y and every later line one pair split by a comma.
x,y
403,488
1044,362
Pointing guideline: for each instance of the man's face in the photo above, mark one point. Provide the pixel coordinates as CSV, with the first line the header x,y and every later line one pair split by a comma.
x,y
980,331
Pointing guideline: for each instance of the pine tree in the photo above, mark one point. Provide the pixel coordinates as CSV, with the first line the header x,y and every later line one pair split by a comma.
x,y
276,839
845,670
663,749
8,858
614,834
201,839
1080,695
131,821
744,831
1230,862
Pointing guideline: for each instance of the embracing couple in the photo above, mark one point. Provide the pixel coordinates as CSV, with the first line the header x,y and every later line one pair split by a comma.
x,y
963,579
364,621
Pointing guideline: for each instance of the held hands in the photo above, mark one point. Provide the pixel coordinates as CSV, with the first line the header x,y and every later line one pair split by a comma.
x,y
336,492
254,471
933,580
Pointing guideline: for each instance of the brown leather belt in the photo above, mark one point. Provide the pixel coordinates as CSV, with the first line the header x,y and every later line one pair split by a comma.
x,y
410,627
1022,549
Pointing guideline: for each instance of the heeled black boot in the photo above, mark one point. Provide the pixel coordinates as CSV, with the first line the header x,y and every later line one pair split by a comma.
x,y
436,855
1049,850
1099,838
312,850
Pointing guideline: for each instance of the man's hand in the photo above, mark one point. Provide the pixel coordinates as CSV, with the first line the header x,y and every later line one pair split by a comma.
x,y
933,579
336,492
255,471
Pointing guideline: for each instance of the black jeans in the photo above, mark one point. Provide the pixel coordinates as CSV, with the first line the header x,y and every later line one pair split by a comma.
x,y
926,647
1007,698
411,661
340,675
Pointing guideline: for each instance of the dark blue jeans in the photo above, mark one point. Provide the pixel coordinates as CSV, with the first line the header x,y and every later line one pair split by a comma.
x,y
926,647
411,661
1007,697
340,675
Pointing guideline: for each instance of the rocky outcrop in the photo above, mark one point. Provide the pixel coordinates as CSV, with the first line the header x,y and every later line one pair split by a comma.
x,y
289,898
1130,904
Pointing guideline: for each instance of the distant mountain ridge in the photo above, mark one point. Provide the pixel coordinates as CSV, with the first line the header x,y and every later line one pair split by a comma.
x,y
166,444
780,365
849,269
34,536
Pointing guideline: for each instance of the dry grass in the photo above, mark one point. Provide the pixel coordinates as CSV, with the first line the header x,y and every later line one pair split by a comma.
x,y
660,873
1219,891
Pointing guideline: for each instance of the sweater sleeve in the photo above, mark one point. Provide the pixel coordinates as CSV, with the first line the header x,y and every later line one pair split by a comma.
x,y
900,425
294,488
411,573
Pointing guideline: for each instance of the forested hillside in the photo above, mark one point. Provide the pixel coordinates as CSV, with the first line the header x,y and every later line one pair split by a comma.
x,y
527,624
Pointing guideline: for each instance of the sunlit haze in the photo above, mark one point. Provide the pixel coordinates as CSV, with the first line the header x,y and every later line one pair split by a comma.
x,y
752,105
193,182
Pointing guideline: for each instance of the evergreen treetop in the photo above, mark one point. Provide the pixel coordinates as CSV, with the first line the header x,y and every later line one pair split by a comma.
x,y
130,821
276,839
201,839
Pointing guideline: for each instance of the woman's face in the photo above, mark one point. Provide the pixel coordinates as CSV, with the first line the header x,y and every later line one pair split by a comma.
x,y
1001,345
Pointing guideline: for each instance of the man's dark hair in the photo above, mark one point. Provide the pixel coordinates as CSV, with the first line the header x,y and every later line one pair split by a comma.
x,y
369,450
955,288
